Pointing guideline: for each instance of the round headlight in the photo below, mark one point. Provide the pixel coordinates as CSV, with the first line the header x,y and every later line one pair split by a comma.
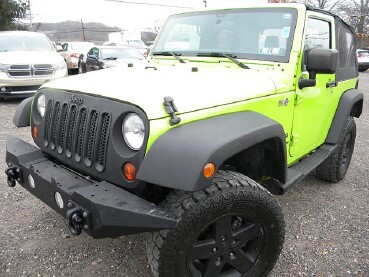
x,y
133,130
41,105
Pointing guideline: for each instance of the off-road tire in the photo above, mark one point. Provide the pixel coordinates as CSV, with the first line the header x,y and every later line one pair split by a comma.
x,y
335,167
231,196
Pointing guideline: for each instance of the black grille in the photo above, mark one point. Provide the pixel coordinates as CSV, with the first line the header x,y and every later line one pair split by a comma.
x,y
77,133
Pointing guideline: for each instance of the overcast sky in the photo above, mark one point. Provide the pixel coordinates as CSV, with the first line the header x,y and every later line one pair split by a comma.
x,y
115,13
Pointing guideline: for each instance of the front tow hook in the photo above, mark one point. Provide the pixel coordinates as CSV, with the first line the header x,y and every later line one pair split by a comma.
x,y
13,174
75,218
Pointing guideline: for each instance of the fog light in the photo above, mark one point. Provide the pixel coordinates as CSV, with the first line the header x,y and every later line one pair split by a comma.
x,y
31,181
59,200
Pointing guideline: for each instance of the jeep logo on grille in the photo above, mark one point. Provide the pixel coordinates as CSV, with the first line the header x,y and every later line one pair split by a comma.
x,y
76,100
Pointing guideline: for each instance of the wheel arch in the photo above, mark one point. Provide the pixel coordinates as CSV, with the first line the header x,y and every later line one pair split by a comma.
x,y
350,104
176,159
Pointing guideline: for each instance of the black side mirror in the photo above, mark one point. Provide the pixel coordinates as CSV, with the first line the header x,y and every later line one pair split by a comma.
x,y
322,60
319,60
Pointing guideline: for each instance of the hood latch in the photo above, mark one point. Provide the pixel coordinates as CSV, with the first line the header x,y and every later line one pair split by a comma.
x,y
171,109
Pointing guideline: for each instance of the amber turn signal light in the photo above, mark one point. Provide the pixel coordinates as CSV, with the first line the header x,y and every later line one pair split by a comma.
x,y
129,171
34,133
209,170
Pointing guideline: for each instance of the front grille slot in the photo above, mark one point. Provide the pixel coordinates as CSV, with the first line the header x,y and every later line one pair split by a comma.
x,y
63,128
78,134
91,137
48,119
55,125
103,141
72,124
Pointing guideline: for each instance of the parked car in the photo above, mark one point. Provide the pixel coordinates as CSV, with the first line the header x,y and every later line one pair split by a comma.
x,y
137,44
27,60
362,59
100,57
72,50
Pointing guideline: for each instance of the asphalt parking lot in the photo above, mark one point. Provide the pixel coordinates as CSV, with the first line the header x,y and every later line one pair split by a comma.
x,y
327,231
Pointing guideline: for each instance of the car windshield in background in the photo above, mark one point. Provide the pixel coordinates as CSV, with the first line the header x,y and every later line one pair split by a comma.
x,y
21,43
82,46
120,53
363,54
261,34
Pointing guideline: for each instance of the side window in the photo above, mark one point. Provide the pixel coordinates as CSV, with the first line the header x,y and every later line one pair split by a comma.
x,y
95,52
318,35
65,46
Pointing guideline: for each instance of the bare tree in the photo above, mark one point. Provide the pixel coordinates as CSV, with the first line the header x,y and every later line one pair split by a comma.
x,y
356,13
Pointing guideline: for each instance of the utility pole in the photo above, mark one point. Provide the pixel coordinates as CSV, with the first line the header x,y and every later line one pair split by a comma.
x,y
83,31
30,15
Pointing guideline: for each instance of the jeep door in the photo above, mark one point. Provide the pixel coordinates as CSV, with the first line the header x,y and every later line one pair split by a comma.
x,y
313,110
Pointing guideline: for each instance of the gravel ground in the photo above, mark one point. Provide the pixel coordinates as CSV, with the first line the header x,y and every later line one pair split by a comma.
x,y
326,235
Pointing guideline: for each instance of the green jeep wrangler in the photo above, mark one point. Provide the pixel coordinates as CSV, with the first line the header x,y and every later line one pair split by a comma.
x,y
234,105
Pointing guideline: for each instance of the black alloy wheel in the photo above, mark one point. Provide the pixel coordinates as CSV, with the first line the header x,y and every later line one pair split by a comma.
x,y
228,246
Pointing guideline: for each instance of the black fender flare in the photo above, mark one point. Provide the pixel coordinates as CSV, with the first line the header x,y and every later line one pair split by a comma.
x,y
177,158
23,113
350,104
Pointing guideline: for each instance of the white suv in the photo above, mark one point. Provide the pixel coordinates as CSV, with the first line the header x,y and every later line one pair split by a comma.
x,y
27,60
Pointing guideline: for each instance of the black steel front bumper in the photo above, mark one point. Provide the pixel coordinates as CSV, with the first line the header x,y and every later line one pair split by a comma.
x,y
101,209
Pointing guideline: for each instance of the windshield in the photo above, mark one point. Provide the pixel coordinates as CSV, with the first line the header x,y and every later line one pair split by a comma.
x,y
121,53
22,43
262,34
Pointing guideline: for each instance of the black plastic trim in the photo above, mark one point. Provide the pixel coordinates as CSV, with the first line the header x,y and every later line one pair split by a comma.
x,y
109,211
176,159
344,110
23,113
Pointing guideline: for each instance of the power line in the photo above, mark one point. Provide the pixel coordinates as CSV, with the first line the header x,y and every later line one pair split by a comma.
x,y
150,4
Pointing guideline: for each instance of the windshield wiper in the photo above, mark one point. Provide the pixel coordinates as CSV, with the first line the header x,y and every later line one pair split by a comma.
x,y
110,58
230,57
168,53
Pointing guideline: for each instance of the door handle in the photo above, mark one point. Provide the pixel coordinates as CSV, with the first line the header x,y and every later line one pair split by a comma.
x,y
331,84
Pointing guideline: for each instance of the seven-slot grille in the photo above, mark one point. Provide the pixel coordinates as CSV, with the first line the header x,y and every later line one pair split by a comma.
x,y
30,70
77,132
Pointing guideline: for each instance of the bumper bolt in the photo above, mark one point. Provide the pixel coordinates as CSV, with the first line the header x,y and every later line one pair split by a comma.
x,y
84,214
214,250
219,258
85,227
223,238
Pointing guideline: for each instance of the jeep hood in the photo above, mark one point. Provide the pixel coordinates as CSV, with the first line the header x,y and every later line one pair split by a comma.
x,y
191,88
30,57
